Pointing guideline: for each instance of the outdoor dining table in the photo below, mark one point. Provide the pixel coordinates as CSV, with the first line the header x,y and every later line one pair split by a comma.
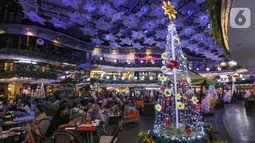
x,y
84,130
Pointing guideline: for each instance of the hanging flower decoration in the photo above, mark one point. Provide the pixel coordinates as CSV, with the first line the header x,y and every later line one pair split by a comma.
x,y
194,100
72,3
57,23
137,45
164,55
106,10
101,24
118,2
114,45
188,130
167,92
143,11
180,105
164,69
126,41
167,122
88,31
149,25
162,78
161,44
182,83
172,64
117,16
96,41
90,6
138,35
34,17
179,96
161,34
157,11
158,107
131,21
76,17
149,41
110,37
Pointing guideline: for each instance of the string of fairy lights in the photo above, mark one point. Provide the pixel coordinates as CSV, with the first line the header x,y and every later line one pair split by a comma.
x,y
182,109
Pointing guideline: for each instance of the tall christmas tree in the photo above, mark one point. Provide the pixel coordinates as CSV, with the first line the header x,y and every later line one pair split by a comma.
x,y
178,114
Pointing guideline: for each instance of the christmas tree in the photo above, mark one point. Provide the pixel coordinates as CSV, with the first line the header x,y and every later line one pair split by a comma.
x,y
210,100
178,114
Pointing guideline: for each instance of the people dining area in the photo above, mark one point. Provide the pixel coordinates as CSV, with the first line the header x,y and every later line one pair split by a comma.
x,y
39,121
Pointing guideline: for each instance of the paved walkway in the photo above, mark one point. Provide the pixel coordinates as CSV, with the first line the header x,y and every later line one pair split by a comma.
x,y
240,127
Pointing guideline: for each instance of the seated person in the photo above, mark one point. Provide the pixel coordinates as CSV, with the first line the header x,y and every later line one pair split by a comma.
x,y
61,120
77,108
96,113
33,126
23,110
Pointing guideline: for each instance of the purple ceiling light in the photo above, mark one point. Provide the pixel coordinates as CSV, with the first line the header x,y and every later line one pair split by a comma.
x,y
106,10
57,23
160,34
138,35
117,3
126,41
137,45
110,37
143,11
90,6
76,17
96,41
88,31
149,25
157,11
34,17
101,24
131,21
114,45
117,16
161,44
72,3
149,41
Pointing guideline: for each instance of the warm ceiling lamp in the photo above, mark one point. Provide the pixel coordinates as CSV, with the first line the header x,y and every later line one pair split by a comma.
x,y
223,64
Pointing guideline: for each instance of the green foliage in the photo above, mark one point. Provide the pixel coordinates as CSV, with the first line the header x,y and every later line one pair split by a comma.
x,y
214,10
144,137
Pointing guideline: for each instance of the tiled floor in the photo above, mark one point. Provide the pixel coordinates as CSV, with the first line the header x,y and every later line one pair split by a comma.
x,y
130,131
240,127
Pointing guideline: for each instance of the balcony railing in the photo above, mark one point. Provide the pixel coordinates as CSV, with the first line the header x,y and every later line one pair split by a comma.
x,y
104,81
30,74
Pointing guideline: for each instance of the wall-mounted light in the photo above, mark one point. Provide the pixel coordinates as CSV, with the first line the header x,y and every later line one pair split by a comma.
x,y
141,61
207,69
115,61
101,58
219,68
197,69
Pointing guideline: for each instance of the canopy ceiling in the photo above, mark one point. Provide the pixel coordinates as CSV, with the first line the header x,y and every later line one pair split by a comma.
x,y
127,23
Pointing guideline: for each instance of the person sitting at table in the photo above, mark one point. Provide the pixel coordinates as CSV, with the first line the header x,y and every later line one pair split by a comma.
x,y
61,120
33,126
77,108
96,113
23,110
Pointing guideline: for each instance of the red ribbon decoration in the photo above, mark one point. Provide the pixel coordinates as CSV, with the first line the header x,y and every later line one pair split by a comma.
x,y
172,64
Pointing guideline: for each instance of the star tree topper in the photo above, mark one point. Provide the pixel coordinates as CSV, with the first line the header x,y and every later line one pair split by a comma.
x,y
169,10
